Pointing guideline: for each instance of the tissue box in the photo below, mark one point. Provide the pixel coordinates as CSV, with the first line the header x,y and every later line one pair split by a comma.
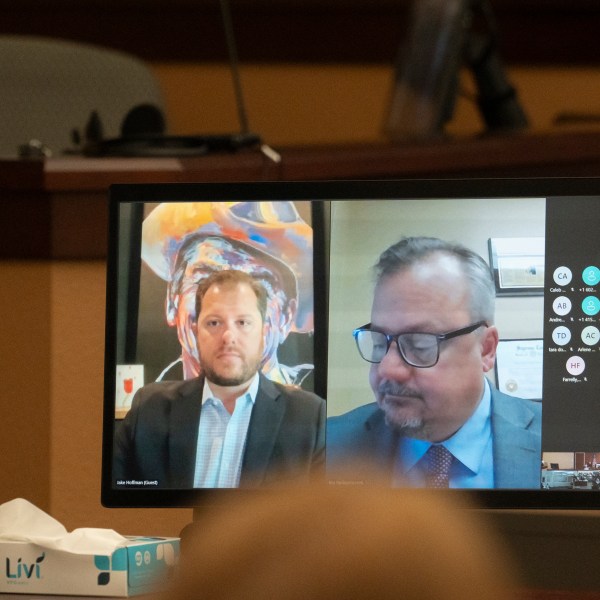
x,y
142,565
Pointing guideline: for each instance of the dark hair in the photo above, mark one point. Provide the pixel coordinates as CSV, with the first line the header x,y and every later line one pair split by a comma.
x,y
411,250
231,277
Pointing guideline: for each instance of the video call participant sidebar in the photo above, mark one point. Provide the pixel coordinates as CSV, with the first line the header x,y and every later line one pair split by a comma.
x,y
571,412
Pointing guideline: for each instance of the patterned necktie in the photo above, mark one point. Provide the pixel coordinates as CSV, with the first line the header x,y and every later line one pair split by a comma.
x,y
437,462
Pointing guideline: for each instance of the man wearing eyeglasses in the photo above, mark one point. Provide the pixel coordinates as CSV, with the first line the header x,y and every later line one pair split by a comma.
x,y
436,421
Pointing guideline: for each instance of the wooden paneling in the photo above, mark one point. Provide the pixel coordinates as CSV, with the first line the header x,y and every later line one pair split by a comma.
x,y
25,348
65,199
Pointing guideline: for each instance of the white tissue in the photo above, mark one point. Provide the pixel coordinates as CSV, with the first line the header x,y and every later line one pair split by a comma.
x,y
21,521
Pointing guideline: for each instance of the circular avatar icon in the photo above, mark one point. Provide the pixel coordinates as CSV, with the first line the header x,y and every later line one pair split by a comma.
x,y
561,305
562,276
575,365
590,335
590,305
561,335
591,275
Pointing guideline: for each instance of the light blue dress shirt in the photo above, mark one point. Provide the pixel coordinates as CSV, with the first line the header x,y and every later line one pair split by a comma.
x,y
222,439
471,446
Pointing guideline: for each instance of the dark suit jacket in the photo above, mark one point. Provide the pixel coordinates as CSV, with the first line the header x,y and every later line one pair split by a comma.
x,y
158,437
362,435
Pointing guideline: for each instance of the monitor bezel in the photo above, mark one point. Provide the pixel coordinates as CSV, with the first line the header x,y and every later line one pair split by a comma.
x,y
321,192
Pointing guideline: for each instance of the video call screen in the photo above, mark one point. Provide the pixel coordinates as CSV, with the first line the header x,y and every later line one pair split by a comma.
x,y
315,254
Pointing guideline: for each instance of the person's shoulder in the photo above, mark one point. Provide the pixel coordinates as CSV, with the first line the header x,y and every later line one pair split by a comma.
x,y
295,393
167,391
348,433
156,401
357,417
516,409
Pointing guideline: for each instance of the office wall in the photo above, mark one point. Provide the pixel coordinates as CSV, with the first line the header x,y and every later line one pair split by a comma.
x,y
52,352
564,460
26,373
77,304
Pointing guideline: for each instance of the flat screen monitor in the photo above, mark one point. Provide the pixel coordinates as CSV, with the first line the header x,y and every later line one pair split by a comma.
x,y
454,314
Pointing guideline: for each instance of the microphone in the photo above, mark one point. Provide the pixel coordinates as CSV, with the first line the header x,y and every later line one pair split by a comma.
x,y
143,129
233,64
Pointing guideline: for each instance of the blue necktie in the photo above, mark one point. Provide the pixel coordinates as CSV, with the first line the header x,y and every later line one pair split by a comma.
x,y
437,461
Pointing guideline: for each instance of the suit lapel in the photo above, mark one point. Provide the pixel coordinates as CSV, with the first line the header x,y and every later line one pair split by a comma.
x,y
267,415
384,440
516,448
183,433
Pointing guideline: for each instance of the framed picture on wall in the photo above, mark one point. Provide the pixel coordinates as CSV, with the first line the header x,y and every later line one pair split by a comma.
x,y
517,265
519,366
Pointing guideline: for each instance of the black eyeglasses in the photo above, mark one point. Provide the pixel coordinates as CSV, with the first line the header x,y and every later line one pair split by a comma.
x,y
417,349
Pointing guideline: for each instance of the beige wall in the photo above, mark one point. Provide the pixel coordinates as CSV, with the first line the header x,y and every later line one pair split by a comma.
x,y
565,460
77,355
310,104
52,349
25,373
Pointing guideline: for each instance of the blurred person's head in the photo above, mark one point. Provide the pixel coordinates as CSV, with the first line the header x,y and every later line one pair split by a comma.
x,y
357,543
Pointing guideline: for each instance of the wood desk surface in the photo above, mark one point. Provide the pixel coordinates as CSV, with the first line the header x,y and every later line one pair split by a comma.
x,y
61,202
551,153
